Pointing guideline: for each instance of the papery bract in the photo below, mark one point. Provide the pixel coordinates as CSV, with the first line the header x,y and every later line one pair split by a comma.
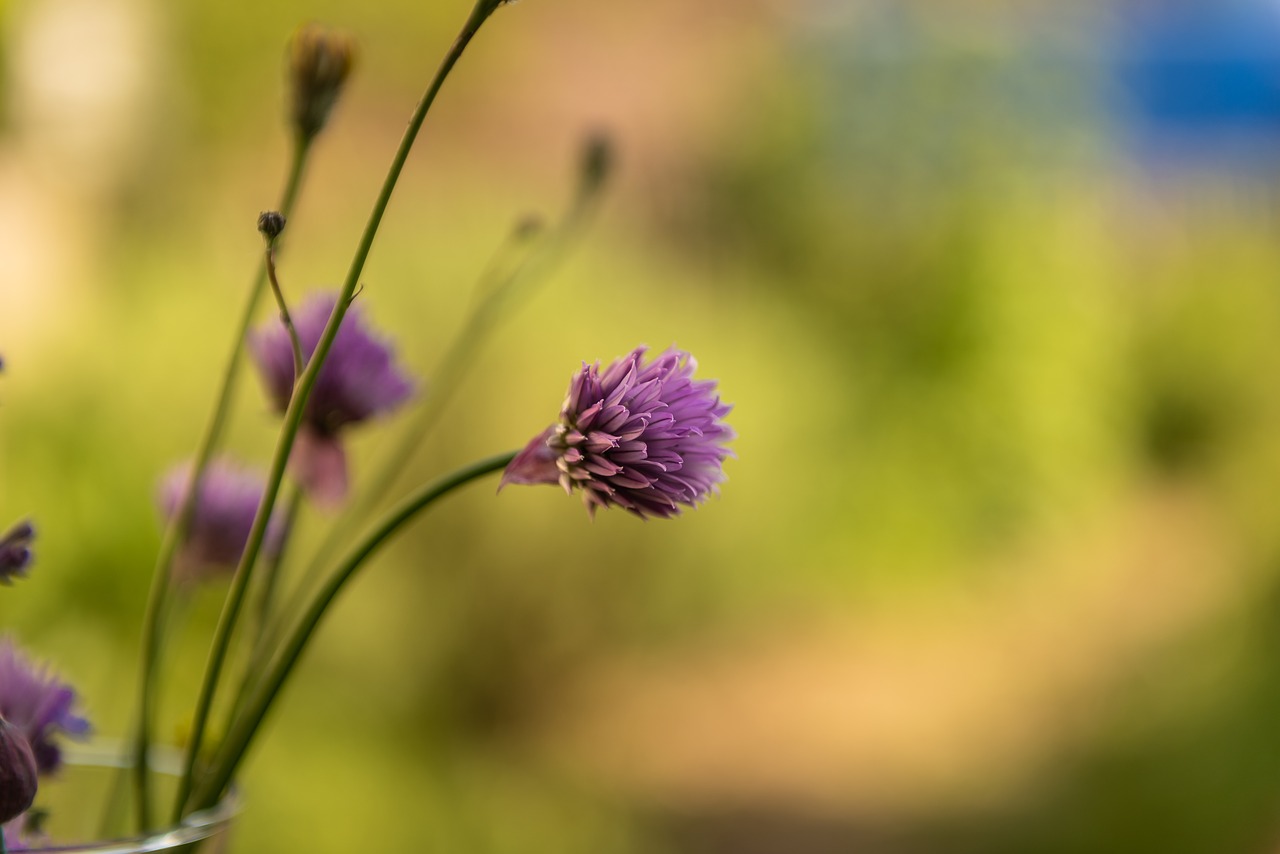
x,y
644,436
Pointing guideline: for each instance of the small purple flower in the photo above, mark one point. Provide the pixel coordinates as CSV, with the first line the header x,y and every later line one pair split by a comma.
x,y
17,772
223,516
38,704
646,437
359,381
15,551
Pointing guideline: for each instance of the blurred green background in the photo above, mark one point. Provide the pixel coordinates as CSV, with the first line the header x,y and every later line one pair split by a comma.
x,y
996,568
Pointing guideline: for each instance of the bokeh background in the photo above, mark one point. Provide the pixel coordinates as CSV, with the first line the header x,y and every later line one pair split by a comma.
x,y
995,288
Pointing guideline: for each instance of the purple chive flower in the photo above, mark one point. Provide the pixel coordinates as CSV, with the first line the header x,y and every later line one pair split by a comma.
x,y
646,437
225,506
15,551
359,381
17,772
38,704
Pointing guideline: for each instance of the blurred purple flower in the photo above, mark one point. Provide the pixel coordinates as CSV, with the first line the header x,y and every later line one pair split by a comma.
x,y
15,551
646,437
38,704
359,381
17,772
223,516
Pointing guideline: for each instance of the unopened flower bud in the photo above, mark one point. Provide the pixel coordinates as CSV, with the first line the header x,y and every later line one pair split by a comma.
x,y
596,162
529,226
17,772
270,224
320,60
15,551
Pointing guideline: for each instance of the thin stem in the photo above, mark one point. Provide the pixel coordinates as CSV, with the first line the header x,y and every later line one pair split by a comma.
x,y
176,531
495,282
284,309
302,391
499,285
266,599
246,725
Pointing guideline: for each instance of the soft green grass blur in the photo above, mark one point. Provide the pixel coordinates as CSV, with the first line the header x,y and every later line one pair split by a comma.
x,y
995,568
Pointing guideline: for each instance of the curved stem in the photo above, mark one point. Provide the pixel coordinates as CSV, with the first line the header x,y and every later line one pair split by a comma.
x,y
302,391
246,725
176,531
283,306
498,288
494,284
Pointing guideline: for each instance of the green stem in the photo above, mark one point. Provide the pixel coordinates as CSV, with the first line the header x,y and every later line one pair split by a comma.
x,y
266,601
494,284
246,725
283,306
176,531
499,286
302,391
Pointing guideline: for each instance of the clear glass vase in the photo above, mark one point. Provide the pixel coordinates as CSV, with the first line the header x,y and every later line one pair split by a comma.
x,y
89,806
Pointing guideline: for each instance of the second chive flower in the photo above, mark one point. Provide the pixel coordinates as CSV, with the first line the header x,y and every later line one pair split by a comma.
x,y
360,380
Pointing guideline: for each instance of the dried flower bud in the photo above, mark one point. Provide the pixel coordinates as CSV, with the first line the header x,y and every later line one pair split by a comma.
x,y
17,772
270,224
320,60
528,227
596,162
15,551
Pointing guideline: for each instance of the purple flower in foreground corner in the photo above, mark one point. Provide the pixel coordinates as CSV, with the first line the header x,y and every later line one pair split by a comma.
x,y
15,551
359,381
17,772
38,704
646,437
222,518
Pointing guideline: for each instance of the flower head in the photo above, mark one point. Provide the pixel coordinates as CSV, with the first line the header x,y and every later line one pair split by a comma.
x,y
644,436
15,551
359,381
319,61
38,704
222,517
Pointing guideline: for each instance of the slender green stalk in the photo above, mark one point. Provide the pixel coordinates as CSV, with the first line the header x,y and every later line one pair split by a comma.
x,y
501,285
508,277
302,391
154,620
498,279
283,306
266,601
246,724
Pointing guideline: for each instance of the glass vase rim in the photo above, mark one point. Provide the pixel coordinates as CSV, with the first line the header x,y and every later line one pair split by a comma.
x,y
164,759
